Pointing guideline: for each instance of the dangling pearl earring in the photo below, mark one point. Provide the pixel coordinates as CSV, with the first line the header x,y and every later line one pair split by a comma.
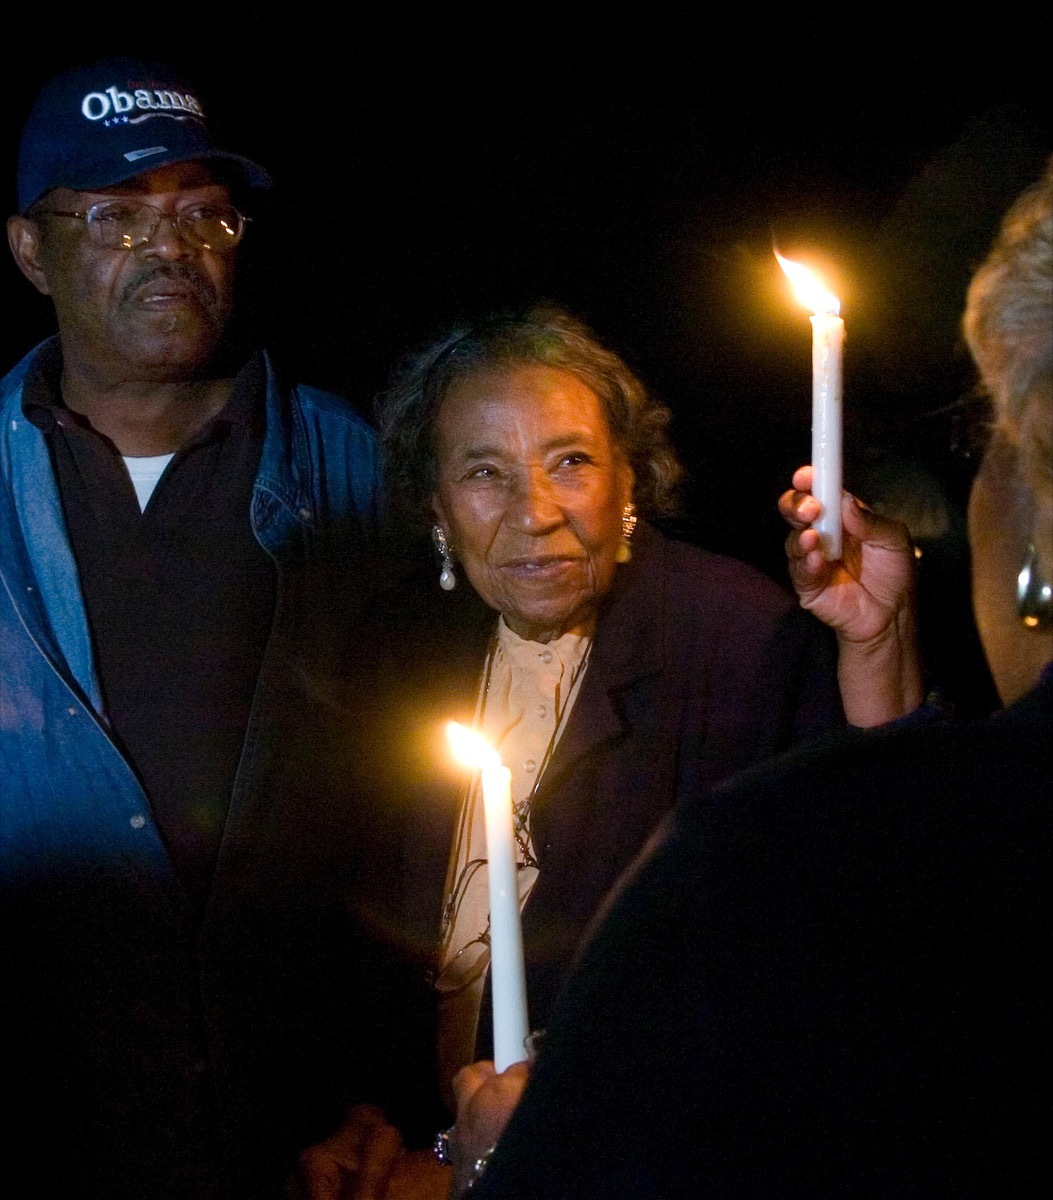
x,y
624,552
447,577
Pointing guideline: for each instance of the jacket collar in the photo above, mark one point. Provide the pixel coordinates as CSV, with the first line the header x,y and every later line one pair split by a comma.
x,y
46,592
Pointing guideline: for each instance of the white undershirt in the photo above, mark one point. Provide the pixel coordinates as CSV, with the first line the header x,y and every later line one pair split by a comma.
x,y
145,472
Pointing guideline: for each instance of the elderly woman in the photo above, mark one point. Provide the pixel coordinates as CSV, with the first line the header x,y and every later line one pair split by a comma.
x,y
613,669
829,977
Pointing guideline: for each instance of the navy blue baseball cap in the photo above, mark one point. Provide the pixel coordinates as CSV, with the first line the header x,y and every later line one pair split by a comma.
x,y
98,125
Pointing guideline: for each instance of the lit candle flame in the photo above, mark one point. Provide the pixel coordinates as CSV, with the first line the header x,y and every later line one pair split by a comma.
x,y
808,288
470,747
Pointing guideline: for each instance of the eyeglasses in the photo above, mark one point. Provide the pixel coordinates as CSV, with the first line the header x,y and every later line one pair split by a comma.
x,y
122,225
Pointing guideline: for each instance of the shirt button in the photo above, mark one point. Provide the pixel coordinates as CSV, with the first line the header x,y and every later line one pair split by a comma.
x,y
138,821
530,765
541,710
545,656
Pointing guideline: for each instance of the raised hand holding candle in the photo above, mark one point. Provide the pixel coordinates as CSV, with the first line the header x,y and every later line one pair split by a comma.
x,y
507,973
828,335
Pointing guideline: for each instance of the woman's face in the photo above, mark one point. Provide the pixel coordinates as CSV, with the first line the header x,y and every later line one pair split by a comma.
x,y
530,495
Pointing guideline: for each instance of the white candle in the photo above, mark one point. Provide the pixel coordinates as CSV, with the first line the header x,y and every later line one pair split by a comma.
x,y
507,974
828,337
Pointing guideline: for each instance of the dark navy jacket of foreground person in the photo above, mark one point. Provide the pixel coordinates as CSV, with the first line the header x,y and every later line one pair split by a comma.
x,y
831,979
137,1055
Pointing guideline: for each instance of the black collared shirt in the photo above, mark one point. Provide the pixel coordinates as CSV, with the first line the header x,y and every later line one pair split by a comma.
x,y
179,597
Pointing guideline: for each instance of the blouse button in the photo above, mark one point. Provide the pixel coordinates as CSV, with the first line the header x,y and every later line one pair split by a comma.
x,y
545,656
541,710
138,821
530,765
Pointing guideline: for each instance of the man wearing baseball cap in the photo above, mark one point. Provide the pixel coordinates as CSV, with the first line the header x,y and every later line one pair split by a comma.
x,y
186,545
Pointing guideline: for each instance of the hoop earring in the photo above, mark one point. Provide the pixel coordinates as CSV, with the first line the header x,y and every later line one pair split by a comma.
x,y
624,552
1034,595
447,576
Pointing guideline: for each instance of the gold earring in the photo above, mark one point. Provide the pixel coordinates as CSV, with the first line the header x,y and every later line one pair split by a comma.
x,y
624,552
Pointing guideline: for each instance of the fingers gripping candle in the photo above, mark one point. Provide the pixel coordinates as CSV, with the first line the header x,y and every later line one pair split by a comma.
x,y
828,337
507,973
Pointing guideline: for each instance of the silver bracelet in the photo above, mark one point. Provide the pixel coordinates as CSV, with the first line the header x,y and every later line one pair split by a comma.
x,y
443,1151
478,1167
441,1147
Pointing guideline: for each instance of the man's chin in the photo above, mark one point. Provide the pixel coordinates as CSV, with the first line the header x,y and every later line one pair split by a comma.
x,y
172,342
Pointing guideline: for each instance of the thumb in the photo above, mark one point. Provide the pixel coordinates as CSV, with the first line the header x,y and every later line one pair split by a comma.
x,y
873,528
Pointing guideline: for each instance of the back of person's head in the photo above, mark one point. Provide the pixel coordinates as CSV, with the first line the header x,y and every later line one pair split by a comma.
x,y
1008,326
101,124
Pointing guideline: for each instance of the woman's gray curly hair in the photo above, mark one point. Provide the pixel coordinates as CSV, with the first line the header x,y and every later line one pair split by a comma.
x,y
544,335
1008,327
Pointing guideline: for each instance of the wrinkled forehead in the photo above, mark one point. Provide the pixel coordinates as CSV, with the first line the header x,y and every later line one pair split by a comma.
x,y
547,405
523,405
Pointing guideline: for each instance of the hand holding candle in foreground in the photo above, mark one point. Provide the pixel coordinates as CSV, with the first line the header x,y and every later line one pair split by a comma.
x,y
867,596
507,973
486,1100
828,334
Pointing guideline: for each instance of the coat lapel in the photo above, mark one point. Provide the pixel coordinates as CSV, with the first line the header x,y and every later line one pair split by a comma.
x,y
628,650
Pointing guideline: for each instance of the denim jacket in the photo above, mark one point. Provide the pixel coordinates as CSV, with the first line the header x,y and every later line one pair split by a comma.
x,y
257,1018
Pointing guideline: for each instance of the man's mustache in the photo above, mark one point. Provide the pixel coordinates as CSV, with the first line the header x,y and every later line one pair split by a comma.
x,y
199,284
